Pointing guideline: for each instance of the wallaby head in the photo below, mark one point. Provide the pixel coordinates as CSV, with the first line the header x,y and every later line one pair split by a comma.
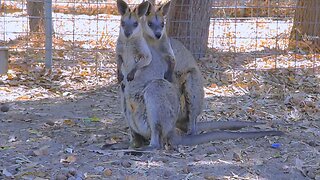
x,y
130,19
155,20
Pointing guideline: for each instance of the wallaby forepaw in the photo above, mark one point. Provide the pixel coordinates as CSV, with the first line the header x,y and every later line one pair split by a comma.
x,y
168,76
140,57
130,76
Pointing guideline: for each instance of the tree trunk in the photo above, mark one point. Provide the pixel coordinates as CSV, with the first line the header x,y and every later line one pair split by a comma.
x,y
189,21
35,9
306,27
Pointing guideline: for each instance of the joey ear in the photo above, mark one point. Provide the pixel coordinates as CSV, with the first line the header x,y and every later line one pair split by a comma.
x,y
143,8
164,9
122,7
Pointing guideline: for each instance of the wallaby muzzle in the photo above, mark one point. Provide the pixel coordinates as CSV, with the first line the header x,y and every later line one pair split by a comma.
x,y
127,33
157,35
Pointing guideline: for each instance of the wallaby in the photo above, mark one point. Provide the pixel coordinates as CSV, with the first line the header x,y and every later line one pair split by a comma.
x,y
133,103
132,52
131,43
188,75
153,105
153,26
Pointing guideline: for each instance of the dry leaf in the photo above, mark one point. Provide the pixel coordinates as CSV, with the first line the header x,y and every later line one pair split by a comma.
x,y
299,165
107,172
236,156
43,151
69,122
12,139
133,178
23,98
210,178
69,159
213,85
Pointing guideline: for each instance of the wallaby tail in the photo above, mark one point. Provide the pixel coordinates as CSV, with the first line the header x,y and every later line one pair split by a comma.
x,y
224,125
224,135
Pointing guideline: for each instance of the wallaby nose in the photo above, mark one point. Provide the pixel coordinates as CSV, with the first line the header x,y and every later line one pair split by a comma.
x,y
127,33
158,35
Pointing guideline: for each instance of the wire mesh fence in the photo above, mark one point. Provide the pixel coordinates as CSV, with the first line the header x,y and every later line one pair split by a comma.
x,y
258,32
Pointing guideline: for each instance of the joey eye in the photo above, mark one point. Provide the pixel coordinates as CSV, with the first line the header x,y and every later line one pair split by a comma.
x,y
122,23
149,24
135,24
162,24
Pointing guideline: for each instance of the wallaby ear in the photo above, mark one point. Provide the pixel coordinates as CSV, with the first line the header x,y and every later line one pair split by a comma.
x,y
150,9
143,8
122,7
164,9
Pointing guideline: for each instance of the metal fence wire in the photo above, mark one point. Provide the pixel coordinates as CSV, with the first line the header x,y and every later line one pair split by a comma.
x,y
85,31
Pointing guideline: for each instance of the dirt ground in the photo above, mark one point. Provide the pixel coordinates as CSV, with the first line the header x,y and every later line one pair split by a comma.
x,y
64,136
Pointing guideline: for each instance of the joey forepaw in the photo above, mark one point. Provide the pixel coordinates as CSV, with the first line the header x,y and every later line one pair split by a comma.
x,y
130,75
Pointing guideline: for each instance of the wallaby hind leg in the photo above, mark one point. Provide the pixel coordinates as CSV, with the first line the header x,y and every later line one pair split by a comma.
x,y
155,127
155,141
194,95
153,116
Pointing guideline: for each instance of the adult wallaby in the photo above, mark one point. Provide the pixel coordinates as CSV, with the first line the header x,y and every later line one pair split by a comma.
x,y
153,104
135,99
188,77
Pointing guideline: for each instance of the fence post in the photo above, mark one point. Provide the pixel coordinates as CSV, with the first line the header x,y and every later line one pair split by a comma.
x,y
3,59
48,31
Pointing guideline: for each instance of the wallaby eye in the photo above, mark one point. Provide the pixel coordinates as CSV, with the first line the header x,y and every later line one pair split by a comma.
x,y
162,24
122,23
149,24
135,24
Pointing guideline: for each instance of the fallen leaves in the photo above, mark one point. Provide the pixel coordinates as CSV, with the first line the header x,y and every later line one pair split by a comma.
x,y
28,79
107,172
69,122
266,92
6,147
23,98
92,119
43,151
69,159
